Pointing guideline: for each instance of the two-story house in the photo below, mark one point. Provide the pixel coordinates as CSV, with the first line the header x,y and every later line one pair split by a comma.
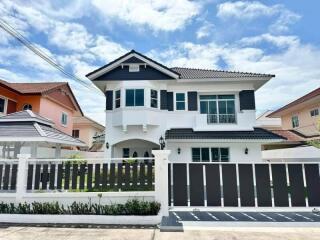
x,y
203,115
52,100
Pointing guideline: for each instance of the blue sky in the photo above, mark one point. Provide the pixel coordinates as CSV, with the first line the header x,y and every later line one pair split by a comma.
x,y
278,37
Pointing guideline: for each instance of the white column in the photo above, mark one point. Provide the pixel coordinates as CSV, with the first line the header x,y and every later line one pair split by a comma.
x,y
161,179
22,176
57,153
34,150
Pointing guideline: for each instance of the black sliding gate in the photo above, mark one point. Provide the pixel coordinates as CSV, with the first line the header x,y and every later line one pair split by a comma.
x,y
244,184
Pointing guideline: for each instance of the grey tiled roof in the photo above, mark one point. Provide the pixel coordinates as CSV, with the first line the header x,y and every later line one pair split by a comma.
x,y
27,114
188,133
194,73
18,130
28,125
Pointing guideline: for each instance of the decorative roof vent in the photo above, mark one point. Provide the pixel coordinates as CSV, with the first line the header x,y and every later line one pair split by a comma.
x,y
134,68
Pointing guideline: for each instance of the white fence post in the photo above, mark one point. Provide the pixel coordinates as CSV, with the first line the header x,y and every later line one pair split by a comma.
x,y
161,179
22,176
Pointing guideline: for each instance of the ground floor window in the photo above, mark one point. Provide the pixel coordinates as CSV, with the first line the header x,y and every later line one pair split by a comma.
x,y
210,154
2,105
125,152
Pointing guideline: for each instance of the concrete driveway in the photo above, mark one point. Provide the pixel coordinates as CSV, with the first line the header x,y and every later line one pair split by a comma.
x,y
37,233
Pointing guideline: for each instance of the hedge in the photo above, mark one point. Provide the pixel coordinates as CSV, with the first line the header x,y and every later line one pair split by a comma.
x,y
131,207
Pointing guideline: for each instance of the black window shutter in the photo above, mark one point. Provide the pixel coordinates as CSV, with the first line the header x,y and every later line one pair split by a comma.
x,y
163,99
109,100
170,101
192,101
247,101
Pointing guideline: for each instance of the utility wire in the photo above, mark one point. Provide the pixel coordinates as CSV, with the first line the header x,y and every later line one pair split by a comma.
x,y
24,41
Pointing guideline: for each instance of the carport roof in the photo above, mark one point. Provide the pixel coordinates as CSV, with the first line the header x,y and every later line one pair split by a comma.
x,y
189,133
26,126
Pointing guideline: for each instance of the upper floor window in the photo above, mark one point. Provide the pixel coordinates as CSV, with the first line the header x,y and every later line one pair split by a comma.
x,y
64,119
76,133
204,154
314,112
180,101
295,121
27,107
219,108
134,97
2,105
154,98
117,100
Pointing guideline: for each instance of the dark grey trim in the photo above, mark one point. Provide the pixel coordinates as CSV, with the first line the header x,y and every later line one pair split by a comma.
x,y
170,101
109,100
192,101
188,133
163,99
247,100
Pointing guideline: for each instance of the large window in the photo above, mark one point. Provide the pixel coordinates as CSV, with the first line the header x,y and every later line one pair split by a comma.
x,y
295,121
117,100
64,119
2,105
134,97
204,155
180,101
154,98
314,112
219,108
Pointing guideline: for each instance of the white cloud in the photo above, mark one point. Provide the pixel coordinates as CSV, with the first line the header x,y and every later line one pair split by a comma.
x,y
245,9
168,15
71,36
279,41
205,30
250,10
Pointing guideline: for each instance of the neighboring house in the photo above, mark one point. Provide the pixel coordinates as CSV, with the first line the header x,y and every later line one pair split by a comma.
x,y
29,133
85,129
300,118
52,100
203,115
267,122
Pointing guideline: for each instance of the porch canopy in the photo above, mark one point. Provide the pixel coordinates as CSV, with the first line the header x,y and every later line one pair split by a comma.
x,y
26,131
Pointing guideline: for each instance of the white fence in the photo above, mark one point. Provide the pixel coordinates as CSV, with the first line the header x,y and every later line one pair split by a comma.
x,y
97,180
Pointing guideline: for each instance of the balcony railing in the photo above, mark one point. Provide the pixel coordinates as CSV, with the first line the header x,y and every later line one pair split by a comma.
x,y
221,118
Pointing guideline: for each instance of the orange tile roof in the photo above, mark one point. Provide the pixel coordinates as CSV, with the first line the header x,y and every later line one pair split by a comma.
x,y
33,88
290,135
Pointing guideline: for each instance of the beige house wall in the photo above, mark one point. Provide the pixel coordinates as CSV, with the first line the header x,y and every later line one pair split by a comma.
x,y
86,133
305,119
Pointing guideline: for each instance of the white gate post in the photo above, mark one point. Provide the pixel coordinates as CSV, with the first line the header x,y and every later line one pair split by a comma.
x,y
161,179
22,176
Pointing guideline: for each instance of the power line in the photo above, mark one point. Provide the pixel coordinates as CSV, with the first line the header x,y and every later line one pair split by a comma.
x,y
24,41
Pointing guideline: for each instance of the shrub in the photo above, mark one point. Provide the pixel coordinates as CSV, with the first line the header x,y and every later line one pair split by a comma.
x,y
131,207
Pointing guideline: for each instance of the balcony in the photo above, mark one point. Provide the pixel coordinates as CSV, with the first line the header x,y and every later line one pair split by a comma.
x,y
136,116
241,121
221,118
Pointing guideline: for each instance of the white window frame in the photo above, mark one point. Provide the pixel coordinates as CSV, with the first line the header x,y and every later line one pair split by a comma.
x,y
292,121
76,130
66,114
314,109
210,154
185,102
5,107
158,102
134,98
114,103
26,105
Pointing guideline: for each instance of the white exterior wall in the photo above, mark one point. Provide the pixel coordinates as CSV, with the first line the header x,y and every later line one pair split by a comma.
x,y
236,150
146,123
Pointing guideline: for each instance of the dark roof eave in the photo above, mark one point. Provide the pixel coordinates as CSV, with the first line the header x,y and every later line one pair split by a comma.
x,y
125,55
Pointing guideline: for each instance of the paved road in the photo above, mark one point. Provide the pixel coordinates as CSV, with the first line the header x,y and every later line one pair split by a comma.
x,y
43,233
182,220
